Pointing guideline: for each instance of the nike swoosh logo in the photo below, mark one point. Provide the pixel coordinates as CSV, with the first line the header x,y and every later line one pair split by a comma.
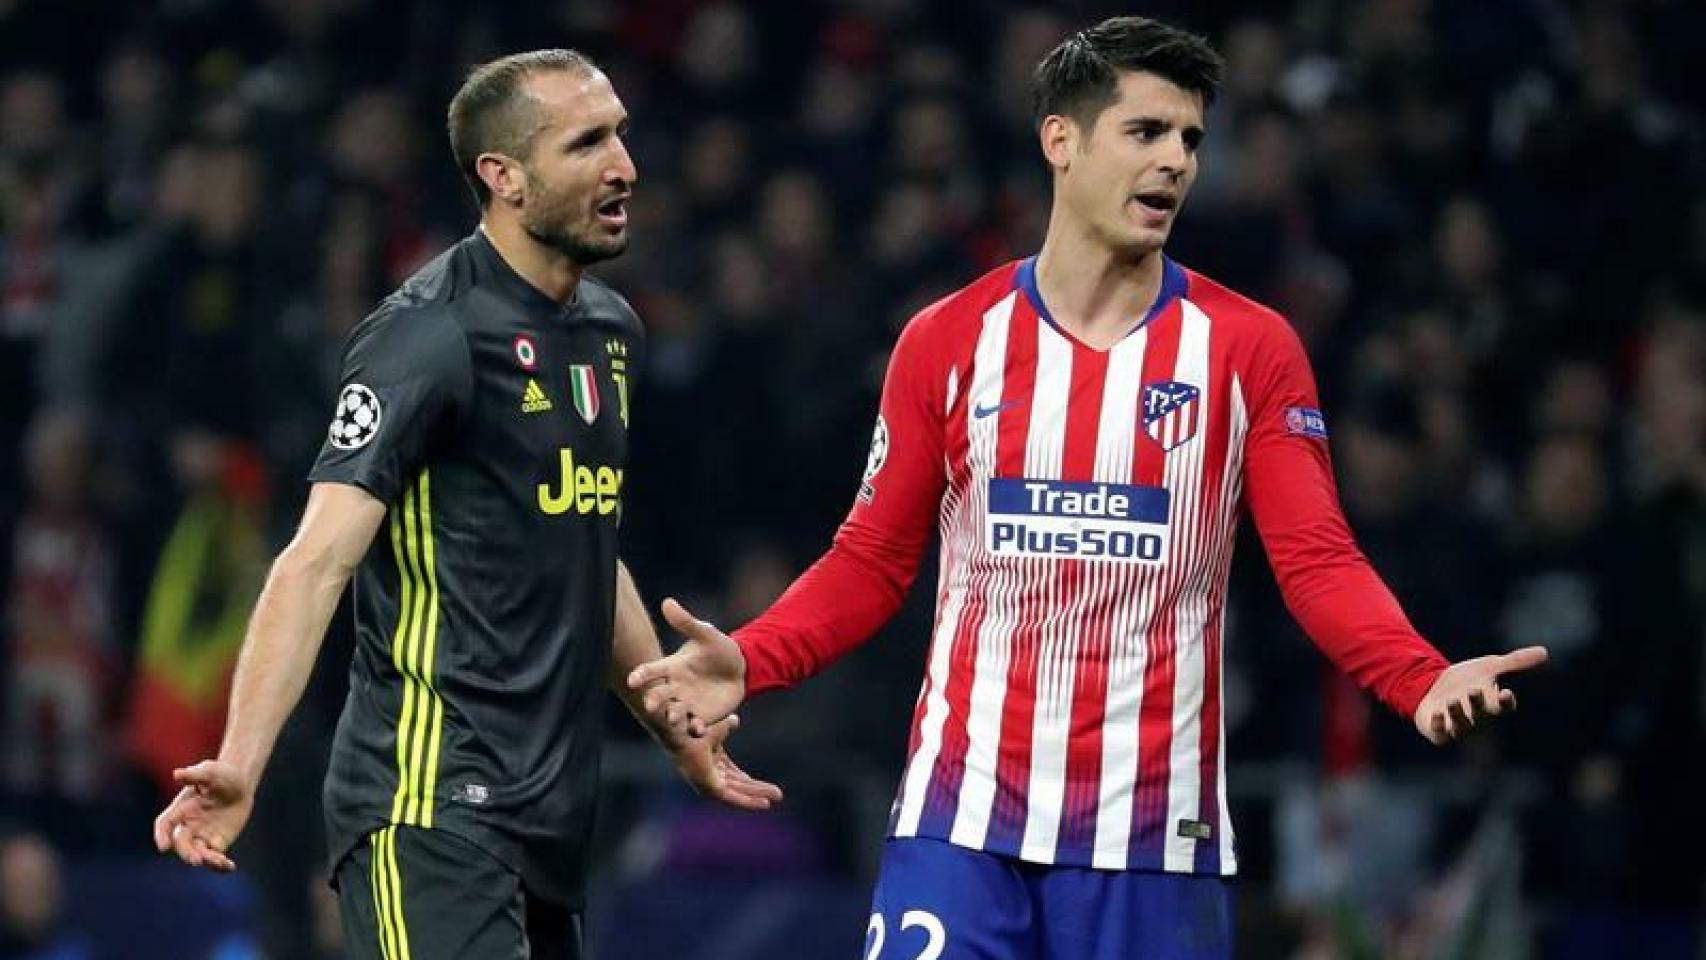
x,y
980,411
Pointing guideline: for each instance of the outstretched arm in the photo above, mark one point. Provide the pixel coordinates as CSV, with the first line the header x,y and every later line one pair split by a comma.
x,y
1327,582
703,763
854,588
284,637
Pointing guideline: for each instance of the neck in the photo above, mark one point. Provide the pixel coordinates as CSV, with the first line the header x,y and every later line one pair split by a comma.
x,y
546,268
1094,291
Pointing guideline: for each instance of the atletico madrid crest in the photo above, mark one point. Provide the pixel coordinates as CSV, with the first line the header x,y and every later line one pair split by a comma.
x,y
1171,412
583,385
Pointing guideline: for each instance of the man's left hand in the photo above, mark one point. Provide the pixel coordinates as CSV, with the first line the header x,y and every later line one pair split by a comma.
x,y
1468,693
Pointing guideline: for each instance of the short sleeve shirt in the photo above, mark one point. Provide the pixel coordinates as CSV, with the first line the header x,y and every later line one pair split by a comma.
x,y
492,422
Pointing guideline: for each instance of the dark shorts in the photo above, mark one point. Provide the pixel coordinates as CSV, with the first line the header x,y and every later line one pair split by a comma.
x,y
412,894
934,899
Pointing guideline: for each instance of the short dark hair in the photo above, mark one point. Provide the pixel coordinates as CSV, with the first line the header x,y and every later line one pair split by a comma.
x,y
1080,77
492,113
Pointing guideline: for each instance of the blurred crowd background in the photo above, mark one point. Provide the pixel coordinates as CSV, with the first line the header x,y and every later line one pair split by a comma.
x,y
1485,217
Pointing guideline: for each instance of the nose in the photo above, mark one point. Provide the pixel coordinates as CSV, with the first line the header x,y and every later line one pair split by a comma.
x,y
1175,156
621,169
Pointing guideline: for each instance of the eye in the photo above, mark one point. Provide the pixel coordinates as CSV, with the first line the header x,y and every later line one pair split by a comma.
x,y
1148,131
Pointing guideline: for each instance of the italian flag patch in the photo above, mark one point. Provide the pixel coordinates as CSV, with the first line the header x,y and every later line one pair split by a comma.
x,y
583,384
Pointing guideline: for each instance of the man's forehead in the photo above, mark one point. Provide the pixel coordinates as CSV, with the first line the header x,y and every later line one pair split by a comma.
x,y
1142,93
575,96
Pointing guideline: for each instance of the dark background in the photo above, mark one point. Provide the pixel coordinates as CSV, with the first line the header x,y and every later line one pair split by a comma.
x,y
1485,218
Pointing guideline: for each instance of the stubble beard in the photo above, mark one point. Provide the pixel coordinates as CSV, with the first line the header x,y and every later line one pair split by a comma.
x,y
549,221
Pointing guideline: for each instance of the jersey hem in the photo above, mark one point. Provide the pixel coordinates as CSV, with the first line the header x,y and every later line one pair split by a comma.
x,y
1227,870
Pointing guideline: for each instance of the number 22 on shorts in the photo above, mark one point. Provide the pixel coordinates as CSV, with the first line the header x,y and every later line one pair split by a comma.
x,y
876,933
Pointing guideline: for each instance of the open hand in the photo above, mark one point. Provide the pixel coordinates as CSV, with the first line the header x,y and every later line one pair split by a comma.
x,y
203,820
1469,692
704,763
697,685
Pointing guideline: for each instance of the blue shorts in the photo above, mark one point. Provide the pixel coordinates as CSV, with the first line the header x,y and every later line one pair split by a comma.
x,y
937,901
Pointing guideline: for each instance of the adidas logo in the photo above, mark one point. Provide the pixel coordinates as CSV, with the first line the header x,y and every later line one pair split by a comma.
x,y
533,399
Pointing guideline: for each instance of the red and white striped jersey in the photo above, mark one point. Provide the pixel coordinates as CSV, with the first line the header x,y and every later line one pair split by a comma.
x,y
1087,502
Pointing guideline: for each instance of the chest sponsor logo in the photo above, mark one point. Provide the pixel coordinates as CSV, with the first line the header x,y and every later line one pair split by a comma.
x,y
581,488
1172,412
1120,522
583,385
533,398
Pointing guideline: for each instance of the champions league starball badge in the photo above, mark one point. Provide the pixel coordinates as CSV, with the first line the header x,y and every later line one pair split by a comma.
x,y
874,463
356,420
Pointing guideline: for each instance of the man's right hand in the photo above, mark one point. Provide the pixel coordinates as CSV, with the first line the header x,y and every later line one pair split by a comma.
x,y
204,819
699,684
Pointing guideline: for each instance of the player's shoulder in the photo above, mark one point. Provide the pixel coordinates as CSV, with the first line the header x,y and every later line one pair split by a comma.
x,y
604,305
1227,308
414,324
437,283
403,317
965,307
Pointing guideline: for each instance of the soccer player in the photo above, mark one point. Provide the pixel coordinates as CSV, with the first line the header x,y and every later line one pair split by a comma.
x,y
480,435
1084,427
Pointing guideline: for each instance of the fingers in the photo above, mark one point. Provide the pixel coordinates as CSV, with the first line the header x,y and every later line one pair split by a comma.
x,y
1438,731
1459,711
184,830
737,789
163,826
656,698
647,673
718,733
746,801
197,850
684,622
1489,700
213,857
168,820
185,846
752,786
677,616
1526,658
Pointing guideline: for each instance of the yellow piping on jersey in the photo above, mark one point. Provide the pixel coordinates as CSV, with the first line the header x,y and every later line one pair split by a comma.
x,y
413,652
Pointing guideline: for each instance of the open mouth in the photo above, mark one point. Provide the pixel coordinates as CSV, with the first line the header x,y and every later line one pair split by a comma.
x,y
614,210
1158,202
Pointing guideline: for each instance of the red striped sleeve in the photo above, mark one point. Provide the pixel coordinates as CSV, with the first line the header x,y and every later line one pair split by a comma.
x,y
854,588
1327,582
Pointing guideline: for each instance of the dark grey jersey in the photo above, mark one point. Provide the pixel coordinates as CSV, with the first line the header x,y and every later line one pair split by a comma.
x,y
492,421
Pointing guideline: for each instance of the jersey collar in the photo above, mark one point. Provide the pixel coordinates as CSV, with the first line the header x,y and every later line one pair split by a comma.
x,y
1173,286
494,266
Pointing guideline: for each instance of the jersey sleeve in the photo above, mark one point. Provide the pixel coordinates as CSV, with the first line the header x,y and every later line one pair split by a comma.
x,y
854,588
407,377
1327,582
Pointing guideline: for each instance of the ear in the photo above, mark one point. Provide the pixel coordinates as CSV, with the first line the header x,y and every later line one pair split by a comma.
x,y
1058,137
503,176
